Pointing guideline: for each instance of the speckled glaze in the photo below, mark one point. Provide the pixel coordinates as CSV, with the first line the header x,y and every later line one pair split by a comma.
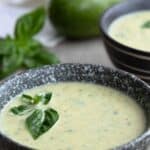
x,y
98,74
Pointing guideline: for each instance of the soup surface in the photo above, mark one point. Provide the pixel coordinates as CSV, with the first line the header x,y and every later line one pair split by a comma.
x,y
91,117
132,30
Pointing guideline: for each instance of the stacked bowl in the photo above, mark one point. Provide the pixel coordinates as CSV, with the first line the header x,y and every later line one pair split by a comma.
x,y
123,56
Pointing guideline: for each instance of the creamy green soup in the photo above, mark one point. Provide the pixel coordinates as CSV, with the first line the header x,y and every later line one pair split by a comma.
x,y
132,30
91,117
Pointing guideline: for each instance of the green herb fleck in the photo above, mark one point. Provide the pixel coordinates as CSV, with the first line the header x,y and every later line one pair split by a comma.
x,y
41,121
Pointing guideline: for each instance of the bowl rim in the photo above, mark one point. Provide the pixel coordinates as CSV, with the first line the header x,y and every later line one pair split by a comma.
x,y
105,33
136,140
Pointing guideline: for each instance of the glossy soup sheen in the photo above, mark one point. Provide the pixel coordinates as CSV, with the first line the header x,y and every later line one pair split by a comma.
x,y
129,30
92,117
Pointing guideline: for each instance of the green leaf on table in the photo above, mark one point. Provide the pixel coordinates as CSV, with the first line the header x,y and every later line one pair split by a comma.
x,y
146,24
38,55
6,45
47,57
21,110
14,56
11,57
30,24
23,51
41,121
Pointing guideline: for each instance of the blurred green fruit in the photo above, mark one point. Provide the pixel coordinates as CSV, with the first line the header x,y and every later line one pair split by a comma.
x,y
78,18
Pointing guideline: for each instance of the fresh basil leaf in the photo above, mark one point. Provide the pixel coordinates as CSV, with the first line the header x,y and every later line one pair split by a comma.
x,y
6,45
31,63
34,123
30,24
21,110
31,100
15,55
37,55
27,99
41,121
37,98
51,116
11,57
146,24
11,62
46,57
42,55
24,52
43,98
46,98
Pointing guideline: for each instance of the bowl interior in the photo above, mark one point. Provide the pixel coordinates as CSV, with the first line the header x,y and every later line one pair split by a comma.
x,y
118,10
98,74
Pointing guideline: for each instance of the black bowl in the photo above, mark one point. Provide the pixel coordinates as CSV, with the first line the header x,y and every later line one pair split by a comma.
x,y
125,57
120,80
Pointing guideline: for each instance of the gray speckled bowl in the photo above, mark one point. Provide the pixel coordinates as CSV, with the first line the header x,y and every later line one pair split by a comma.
x,y
120,80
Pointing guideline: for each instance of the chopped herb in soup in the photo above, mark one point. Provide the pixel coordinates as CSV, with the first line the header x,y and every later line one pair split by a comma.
x,y
86,117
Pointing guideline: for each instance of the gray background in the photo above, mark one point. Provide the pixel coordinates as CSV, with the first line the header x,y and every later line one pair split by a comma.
x,y
86,51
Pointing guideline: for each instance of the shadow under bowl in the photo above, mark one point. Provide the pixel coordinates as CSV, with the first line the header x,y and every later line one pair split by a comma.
x,y
120,80
124,57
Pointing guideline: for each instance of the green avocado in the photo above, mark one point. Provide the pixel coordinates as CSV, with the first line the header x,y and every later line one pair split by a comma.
x,y
78,19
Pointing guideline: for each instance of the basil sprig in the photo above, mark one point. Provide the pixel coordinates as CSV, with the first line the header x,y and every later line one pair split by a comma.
x,y
41,121
146,24
22,51
38,120
30,24
21,110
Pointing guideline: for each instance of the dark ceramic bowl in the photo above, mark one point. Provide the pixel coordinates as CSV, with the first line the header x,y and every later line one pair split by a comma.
x,y
123,81
124,57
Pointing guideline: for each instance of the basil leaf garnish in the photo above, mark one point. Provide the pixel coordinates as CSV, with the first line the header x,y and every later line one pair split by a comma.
x,y
27,96
43,98
41,121
51,116
146,24
6,45
27,99
30,24
34,123
46,99
21,110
